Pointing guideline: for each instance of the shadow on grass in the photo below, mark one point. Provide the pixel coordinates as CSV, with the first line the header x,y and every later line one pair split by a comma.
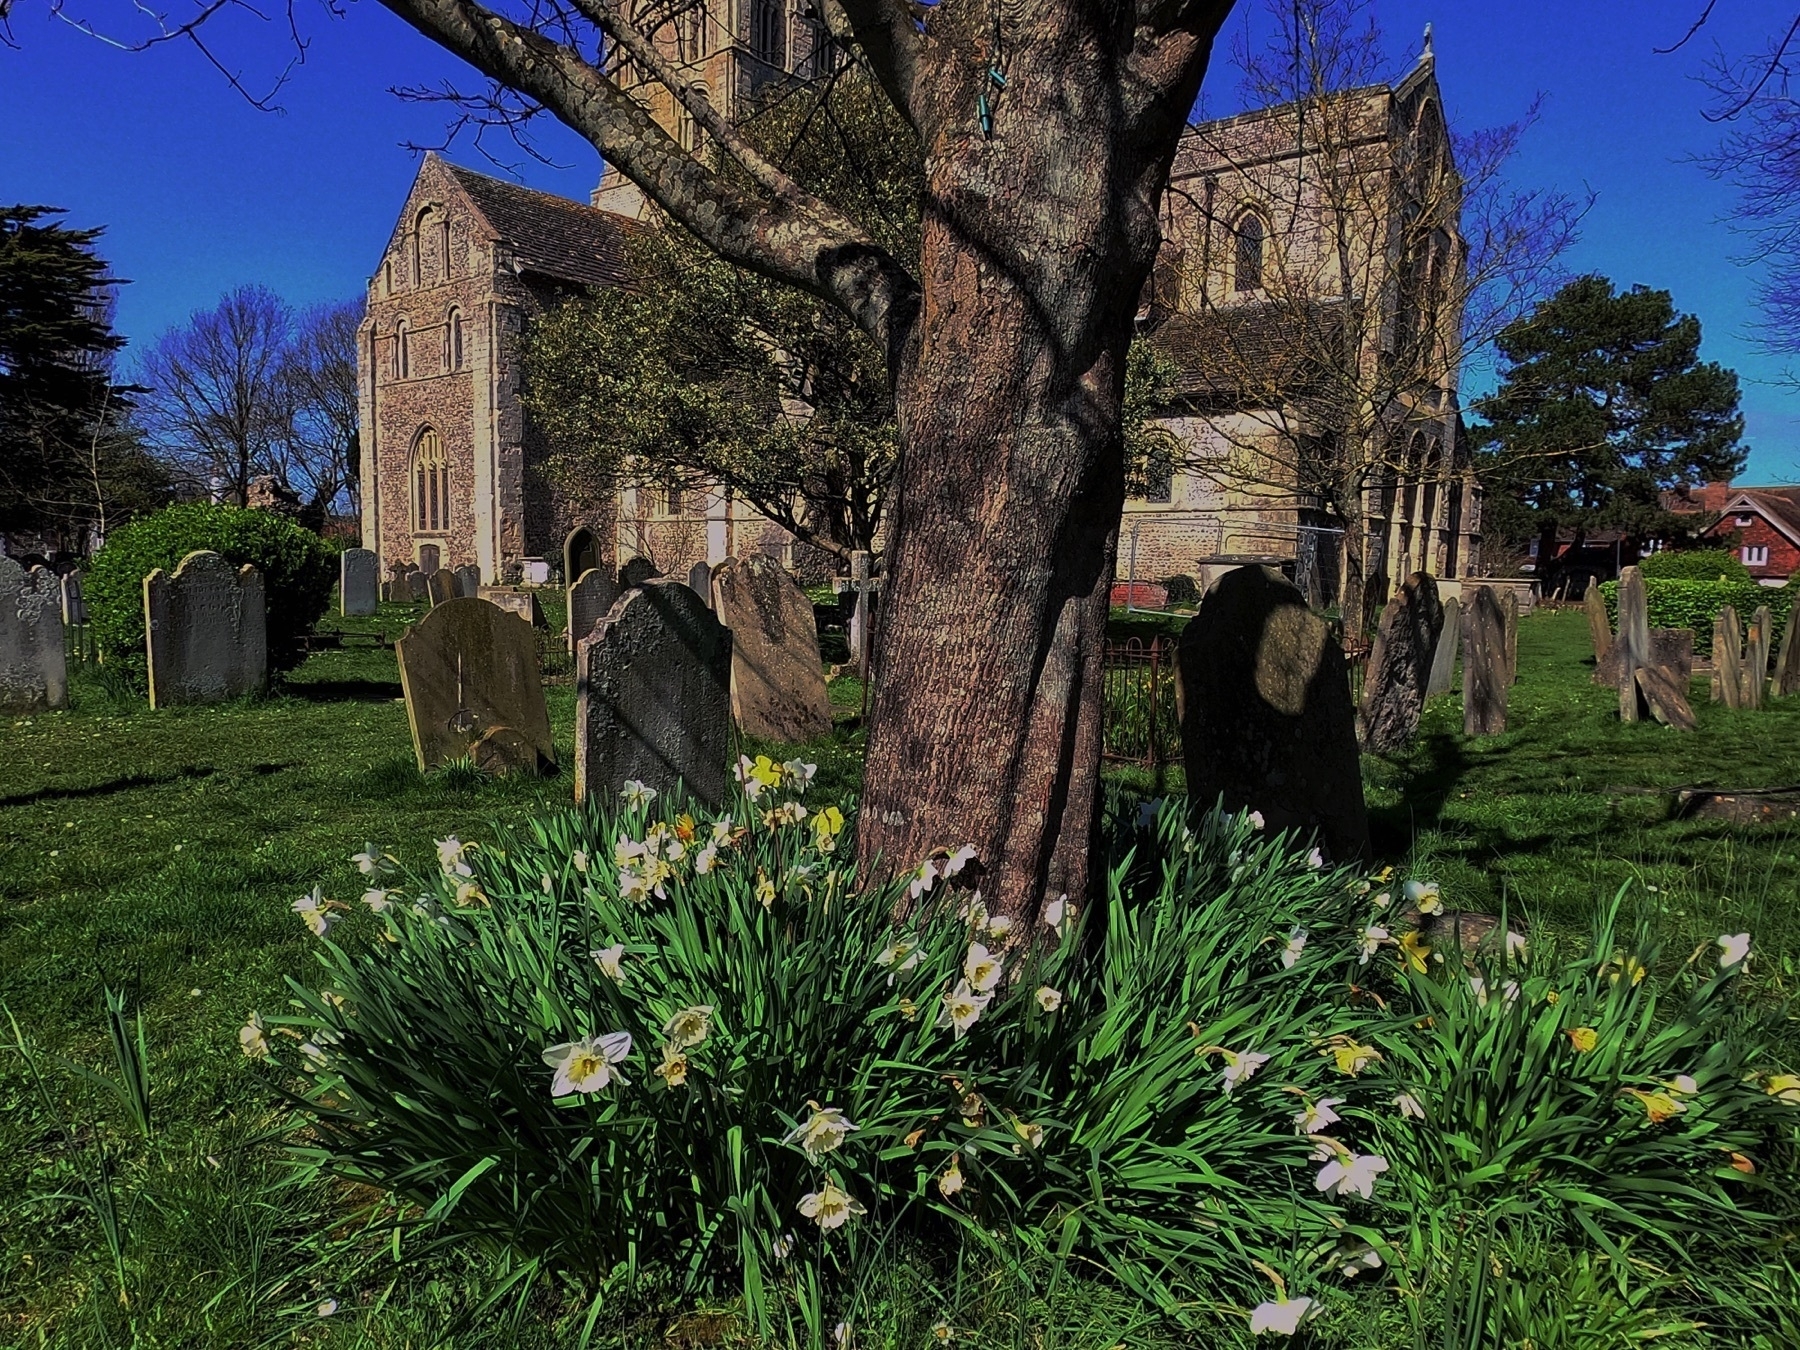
x,y
124,783
342,691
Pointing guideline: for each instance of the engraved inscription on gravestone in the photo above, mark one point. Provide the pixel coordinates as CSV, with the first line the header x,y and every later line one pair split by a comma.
x,y
359,575
469,672
33,669
205,631
590,597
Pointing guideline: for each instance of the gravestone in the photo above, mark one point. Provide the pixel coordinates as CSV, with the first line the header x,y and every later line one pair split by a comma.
x,y
1756,656
700,581
1263,695
1728,659
470,674
653,696
1786,679
1670,647
1599,625
1443,661
1632,642
535,571
590,598
1509,610
418,586
513,600
1485,674
1400,665
468,582
864,585
34,673
359,577
777,681
441,587
205,630
635,573
1665,697
430,558
74,603
581,553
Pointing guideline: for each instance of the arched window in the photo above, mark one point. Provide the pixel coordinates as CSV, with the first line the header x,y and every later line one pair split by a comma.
x,y
1251,236
431,484
420,225
453,340
387,277
768,32
444,246
402,357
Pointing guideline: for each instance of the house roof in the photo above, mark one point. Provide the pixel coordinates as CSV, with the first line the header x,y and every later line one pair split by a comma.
x,y
1780,506
548,234
1247,352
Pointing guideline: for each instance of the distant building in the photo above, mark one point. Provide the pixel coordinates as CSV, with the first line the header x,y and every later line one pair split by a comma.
x,y
1760,524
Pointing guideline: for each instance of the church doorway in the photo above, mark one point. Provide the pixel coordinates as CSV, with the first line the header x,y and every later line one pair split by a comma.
x,y
581,553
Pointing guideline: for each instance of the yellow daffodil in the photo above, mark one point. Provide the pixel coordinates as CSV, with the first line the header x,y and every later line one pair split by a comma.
x,y
765,889
1385,875
830,1206
1584,1039
1658,1106
674,1067
1552,998
1785,1087
827,825
822,1132
1350,1057
684,828
1630,967
1415,951
1031,1135
332,999
690,1026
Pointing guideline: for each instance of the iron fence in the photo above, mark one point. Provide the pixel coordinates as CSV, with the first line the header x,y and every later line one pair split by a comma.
x,y
1141,725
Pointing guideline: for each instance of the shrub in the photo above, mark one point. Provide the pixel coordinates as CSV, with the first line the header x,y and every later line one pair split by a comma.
x,y
1182,589
1695,604
1704,564
1091,1108
298,570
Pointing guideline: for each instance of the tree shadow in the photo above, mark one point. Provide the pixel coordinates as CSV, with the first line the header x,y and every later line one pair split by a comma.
x,y
343,691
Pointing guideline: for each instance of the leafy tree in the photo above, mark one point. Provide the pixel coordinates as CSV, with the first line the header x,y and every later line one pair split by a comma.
x,y
1603,405
69,456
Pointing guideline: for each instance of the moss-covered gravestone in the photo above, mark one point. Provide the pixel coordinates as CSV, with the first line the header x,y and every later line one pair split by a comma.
x,y
469,670
33,669
777,678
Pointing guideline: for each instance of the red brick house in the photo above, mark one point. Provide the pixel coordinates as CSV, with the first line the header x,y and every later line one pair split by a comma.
x,y
1762,526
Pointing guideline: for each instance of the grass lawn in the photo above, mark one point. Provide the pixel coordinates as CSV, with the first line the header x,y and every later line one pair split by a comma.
x,y
159,854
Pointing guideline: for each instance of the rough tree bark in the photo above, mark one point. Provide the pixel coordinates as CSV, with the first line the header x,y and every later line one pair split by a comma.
x,y
1048,128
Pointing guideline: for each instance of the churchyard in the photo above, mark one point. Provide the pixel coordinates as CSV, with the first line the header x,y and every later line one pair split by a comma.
x,y
167,855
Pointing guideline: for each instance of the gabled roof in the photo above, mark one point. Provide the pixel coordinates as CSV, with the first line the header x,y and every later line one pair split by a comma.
x,y
548,234
1780,506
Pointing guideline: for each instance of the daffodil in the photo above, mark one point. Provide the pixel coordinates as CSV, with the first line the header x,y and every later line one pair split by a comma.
x,y
972,1109
1584,1039
923,880
1031,1135
797,774
1415,951
313,909
788,813
957,861
1739,1163
765,889
1424,896
674,1067
636,794
252,1039
950,1181
1629,967
1256,820
1350,1057
1515,945
1350,1174
1658,1106
783,1246
822,1132
830,1206
1282,1315
1240,1066
450,856
690,1026
1055,911
908,1009
1683,1084
999,927
1371,939
609,959
470,894
901,953
981,968
327,1307
827,824
580,859
963,1008
1784,1087
1290,953
1410,1109
757,776
1049,999
378,900
1315,859
1734,948
587,1065
706,859
1318,1116
368,862
943,1331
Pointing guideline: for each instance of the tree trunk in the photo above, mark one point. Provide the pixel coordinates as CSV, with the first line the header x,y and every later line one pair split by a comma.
x,y
1009,489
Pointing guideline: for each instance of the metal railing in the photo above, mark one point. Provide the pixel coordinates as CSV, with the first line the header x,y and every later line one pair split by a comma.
x,y
1140,724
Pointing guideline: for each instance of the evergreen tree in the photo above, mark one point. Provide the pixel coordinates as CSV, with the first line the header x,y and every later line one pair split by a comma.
x,y
1603,404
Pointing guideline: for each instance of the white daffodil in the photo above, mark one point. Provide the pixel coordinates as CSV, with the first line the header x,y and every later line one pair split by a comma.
x,y
1683,1083
1424,895
1049,999
788,813
1733,949
313,1055
1356,1259
608,959
580,858
327,1307
311,907
981,968
378,900
1372,938
822,1132
1318,1116
830,1206
974,912
706,859
1240,1067
450,856
1282,1315
1349,1173
252,1039
1032,1136
636,794
368,862
721,831
1515,945
587,1065
1290,953
1315,859
628,852
999,927
1410,1109
957,861
963,1008
547,883
1055,910
1256,820
783,1246
923,880
798,775
690,1026
950,1181
469,893
674,1067
901,953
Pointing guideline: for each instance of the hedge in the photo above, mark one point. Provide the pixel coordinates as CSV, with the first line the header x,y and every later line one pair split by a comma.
x,y
1703,564
298,570
1695,604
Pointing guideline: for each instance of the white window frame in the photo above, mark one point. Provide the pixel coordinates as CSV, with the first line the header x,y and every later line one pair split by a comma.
x,y
1754,555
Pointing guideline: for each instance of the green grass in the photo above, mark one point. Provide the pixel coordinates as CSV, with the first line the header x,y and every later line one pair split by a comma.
x,y
158,853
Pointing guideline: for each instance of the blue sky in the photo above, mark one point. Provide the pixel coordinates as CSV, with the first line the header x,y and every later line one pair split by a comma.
x,y
200,192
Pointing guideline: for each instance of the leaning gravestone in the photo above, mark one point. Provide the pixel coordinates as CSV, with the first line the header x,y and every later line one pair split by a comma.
x,y
700,581
1599,625
636,572
1485,673
1267,724
441,587
470,674
428,558
590,597
205,630
777,680
1728,659
34,673
1665,697
1443,661
1631,648
468,582
515,600
359,582
653,696
1400,665
1786,679
1756,656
